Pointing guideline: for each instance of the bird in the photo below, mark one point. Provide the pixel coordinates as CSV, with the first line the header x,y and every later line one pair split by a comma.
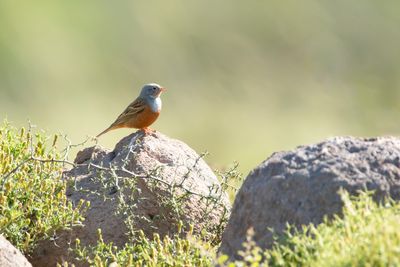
x,y
142,112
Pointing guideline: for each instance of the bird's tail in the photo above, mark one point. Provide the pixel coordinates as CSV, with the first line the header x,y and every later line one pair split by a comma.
x,y
112,127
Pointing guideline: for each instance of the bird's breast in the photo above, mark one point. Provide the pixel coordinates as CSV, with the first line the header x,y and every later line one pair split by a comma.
x,y
155,105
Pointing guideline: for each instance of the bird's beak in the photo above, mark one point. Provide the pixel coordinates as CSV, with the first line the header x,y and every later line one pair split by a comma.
x,y
162,89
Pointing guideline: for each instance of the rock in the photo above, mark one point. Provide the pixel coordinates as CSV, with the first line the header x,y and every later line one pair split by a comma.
x,y
300,187
10,256
147,183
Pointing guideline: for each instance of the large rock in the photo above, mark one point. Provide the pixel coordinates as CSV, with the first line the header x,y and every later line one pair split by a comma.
x,y
301,186
10,256
148,182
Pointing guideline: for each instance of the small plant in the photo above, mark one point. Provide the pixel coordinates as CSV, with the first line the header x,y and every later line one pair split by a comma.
x,y
175,251
33,203
182,245
366,235
231,179
170,199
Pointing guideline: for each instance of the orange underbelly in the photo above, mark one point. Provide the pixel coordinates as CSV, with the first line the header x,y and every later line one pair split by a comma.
x,y
143,119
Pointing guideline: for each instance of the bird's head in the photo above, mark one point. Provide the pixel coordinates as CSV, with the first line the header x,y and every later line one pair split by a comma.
x,y
151,90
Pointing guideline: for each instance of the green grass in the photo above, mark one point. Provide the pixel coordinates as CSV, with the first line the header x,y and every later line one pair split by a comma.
x,y
33,203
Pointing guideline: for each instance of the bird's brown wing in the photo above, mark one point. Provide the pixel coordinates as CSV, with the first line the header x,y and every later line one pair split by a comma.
x,y
136,107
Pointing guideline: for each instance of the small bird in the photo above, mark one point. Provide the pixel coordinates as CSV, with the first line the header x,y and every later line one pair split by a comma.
x,y
142,112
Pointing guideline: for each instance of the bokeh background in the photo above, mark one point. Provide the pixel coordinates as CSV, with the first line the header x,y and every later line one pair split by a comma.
x,y
245,78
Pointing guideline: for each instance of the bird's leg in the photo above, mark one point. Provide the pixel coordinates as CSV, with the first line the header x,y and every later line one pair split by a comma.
x,y
147,131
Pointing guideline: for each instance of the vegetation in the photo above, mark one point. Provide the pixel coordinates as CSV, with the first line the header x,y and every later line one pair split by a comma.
x,y
185,247
175,251
33,206
33,203
366,235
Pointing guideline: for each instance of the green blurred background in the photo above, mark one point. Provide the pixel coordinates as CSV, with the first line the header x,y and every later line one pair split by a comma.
x,y
244,78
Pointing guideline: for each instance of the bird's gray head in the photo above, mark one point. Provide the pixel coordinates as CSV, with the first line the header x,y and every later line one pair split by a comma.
x,y
151,90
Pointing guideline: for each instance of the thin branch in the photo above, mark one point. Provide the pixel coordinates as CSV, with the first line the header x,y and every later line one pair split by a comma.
x,y
155,179
53,161
32,156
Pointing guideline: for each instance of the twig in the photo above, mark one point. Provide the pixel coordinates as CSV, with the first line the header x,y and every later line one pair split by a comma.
x,y
155,179
54,161
32,157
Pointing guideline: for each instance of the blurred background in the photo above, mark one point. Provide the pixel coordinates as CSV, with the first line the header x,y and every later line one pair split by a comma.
x,y
244,78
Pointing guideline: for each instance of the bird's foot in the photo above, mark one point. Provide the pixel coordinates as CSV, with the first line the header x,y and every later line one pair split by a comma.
x,y
147,131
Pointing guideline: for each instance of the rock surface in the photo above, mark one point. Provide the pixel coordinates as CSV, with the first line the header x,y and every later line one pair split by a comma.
x,y
300,186
151,181
10,256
